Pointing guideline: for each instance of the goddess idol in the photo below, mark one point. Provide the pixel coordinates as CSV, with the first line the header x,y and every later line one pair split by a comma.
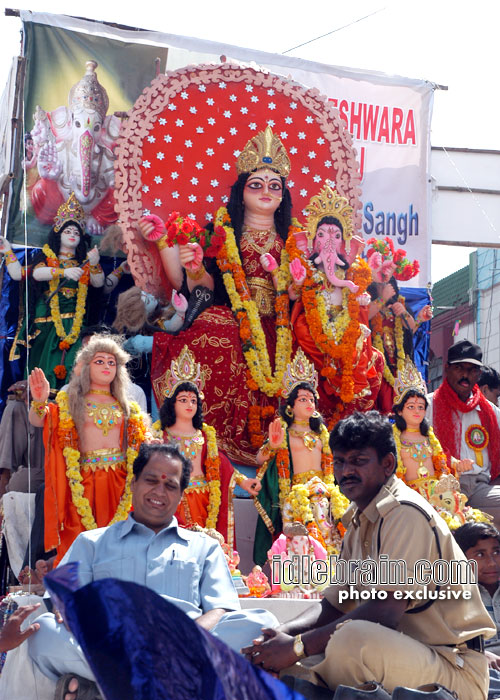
x,y
297,468
422,462
248,328
92,435
176,152
208,499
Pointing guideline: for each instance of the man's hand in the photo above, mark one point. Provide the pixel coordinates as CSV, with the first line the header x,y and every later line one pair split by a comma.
x,y
493,660
273,651
463,465
10,634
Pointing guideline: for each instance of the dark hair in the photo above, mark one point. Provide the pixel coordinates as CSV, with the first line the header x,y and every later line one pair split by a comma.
x,y
147,450
398,418
468,535
315,423
167,410
332,221
360,430
489,377
236,209
54,240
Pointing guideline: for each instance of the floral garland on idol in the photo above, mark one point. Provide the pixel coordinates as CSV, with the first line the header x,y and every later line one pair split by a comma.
x,y
212,473
212,464
67,339
257,414
245,310
300,509
68,441
336,339
377,340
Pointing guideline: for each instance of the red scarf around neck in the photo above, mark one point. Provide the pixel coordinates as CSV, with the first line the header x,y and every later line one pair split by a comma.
x,y
448,427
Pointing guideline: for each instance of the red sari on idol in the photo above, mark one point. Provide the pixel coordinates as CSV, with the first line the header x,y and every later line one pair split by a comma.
x,y
214,340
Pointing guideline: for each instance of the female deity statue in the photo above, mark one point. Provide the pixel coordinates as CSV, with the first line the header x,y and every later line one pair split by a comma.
x,y
392,325
208,499
422,463
57,308
296,460
329,319
92,434
246,336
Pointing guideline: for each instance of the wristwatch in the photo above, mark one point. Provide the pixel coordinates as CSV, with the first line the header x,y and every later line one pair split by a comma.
x,y
298,647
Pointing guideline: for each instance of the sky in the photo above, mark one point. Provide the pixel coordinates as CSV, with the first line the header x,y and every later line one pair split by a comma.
x,y
451,43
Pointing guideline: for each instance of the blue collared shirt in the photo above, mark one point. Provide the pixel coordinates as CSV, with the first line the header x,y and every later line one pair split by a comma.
x,y
187,568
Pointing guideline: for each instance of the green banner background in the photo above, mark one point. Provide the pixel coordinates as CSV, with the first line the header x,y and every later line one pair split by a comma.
x,y
55,62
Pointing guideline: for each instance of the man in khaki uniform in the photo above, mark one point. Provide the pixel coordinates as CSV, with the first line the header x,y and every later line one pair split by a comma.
x,y
404,639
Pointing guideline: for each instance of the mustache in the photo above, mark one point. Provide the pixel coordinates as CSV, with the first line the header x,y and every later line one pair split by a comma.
x,y
350,479
464,379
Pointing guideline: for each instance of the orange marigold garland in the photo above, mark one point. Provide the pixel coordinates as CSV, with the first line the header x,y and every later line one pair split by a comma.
x,y
245,311
338,344
257,414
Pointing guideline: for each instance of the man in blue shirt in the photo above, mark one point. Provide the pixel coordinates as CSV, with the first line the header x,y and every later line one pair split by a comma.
x,y
186,568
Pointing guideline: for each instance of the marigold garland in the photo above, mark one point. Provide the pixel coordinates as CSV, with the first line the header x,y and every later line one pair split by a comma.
x,y
257,414
83,283
337,340
212,464
68,441
378,342
245,311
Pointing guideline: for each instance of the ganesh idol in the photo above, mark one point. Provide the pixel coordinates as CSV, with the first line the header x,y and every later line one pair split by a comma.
x,y
245,335
329,319
74,153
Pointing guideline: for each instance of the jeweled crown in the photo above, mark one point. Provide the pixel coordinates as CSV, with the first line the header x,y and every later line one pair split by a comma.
x,y
409,378
447,482
71,210
88,92
329,203
298,371
183,369
265,150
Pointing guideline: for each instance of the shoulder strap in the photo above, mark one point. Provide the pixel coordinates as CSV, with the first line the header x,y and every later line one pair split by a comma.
x,y
428,517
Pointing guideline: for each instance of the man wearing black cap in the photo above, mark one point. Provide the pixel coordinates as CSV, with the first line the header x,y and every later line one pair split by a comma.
x,y
467,426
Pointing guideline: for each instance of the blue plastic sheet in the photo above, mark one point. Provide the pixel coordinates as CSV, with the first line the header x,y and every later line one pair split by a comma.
x,y
416,298
141,647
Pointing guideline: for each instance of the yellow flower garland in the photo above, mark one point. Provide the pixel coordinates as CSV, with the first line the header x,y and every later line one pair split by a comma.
x,y
255,348
283,462
213,475
73,467
55,312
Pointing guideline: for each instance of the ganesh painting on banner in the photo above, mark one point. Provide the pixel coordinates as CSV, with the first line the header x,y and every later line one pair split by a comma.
x,y
72,151
193,221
